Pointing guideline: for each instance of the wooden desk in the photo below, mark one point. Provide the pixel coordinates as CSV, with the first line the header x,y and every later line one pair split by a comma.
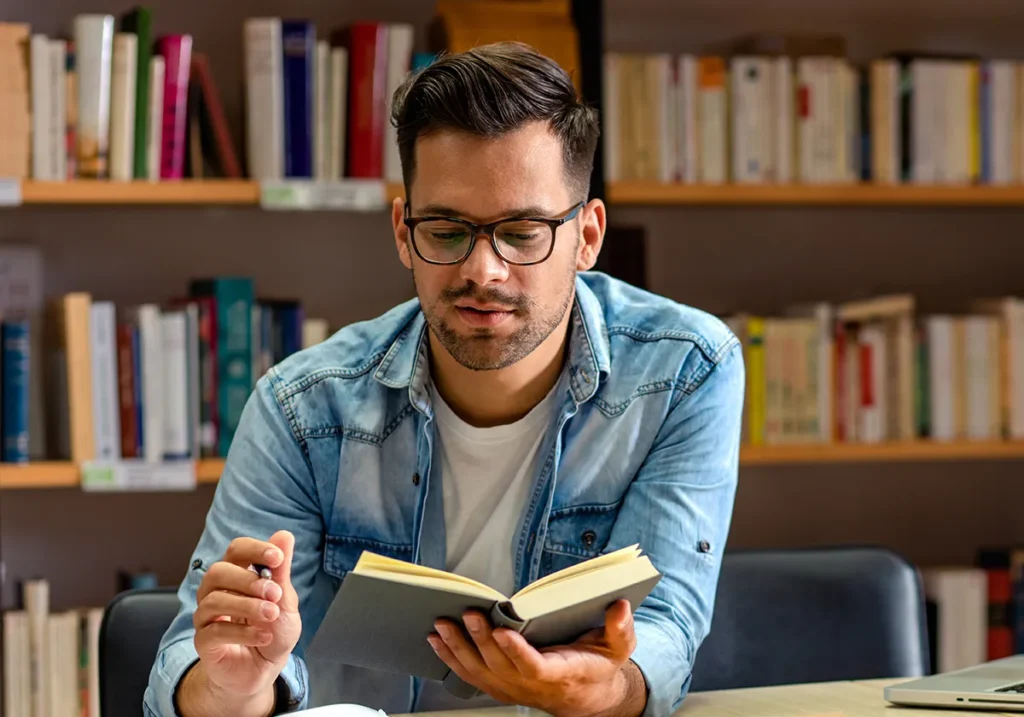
x,y
834,699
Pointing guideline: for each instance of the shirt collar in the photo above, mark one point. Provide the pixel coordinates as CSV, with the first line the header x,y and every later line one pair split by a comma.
x,y
407,362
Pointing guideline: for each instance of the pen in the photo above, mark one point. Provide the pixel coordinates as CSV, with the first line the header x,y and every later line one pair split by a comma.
x,y
264,571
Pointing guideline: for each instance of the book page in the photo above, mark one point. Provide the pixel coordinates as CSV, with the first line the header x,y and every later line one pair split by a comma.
x,y
379,566
619,556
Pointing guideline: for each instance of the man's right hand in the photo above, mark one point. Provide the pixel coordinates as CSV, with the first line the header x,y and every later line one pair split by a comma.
x,y
246,627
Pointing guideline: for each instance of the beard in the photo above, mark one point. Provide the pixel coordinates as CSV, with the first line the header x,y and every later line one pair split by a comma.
x,y
484,349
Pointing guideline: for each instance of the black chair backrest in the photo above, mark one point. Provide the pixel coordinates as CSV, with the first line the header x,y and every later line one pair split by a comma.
x,y
133,624
813,615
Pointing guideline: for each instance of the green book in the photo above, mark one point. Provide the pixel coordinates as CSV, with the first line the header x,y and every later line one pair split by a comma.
x,y
140,22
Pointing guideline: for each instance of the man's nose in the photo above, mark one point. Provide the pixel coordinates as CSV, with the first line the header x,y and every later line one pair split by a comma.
x,y
483,265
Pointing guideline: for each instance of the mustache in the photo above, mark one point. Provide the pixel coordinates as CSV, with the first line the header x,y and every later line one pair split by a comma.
x,y
487,296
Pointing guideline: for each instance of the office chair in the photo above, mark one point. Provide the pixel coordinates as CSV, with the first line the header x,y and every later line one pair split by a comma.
x,y
813,615
133,624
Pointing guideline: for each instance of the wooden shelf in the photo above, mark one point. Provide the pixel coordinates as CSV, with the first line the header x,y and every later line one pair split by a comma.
x,y
54,474
213,192
881,452
209,470
662,194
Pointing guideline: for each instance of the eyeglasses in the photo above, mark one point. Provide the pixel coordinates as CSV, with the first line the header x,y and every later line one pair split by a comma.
x,y
522,241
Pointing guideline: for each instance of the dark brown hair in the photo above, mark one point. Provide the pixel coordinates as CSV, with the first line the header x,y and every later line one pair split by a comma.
x,y
492,90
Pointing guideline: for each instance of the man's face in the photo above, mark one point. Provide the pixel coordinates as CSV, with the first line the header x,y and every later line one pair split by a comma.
x,y
485,312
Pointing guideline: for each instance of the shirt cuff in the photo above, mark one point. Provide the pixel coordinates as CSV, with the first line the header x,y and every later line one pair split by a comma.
x,y
665,670
177,658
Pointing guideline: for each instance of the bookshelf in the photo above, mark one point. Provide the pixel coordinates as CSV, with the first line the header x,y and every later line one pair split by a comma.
x,y
213,192
57,474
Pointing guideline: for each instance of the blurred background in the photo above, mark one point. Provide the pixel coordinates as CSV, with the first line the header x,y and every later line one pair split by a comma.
x,y
197,190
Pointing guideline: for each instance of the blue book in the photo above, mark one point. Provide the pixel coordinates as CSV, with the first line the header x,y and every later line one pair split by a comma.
x,y
14,339
985,121
298,43
140,437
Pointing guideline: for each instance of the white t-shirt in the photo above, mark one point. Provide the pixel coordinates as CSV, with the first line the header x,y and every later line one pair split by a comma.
x,y
487,474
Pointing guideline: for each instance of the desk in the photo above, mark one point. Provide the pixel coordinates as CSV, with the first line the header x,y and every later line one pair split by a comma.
x,y
848,699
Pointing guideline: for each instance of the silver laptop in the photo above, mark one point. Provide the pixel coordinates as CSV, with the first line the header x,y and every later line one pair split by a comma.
x,y
996,685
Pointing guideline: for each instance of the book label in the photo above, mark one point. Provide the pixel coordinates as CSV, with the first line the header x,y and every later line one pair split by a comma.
x,y
351,195
138,475
10,192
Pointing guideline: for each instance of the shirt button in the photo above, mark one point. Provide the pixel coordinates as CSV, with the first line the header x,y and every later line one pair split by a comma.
x,y
415,478
589,536
705,546
196,564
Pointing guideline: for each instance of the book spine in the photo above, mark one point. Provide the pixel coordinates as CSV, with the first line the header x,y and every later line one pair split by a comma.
x,y
177,53
56,124
214,108
208,376
94,38
174,339
338,111
321,129
151,343
14,337
367,103
122,107
154,141
39,64
139,399
126,391
140,22
298,45
399,62
105,414
264,98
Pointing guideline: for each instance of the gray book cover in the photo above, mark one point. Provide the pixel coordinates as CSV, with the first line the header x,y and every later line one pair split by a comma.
x,y
383,625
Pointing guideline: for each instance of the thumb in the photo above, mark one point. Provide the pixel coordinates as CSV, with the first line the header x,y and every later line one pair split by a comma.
x,y
284,540
619,635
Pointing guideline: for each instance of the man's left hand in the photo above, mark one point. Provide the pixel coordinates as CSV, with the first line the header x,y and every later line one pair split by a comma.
x,y
592,677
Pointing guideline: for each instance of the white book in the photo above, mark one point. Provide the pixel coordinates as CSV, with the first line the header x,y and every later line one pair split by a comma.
x,y
93,623
338,110
400,39
610,124
922,130
321,126
665,121
941,375
155,121
943,134
783,106
58,123
978,368
39,70
17,665
123,81
314,331
62,632
195,427
749,79
106,415
1014,317
961,598
714,156
264,87
94,38
151,346
177,443
1002,107
37,603
689,155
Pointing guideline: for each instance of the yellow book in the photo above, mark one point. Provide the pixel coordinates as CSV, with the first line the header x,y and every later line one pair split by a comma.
x,y
975,124
756,379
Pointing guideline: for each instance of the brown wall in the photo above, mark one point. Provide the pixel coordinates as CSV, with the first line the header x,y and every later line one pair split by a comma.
x,y
343,268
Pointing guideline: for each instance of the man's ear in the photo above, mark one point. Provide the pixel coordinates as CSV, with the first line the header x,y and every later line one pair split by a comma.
x,y
592,218
401,231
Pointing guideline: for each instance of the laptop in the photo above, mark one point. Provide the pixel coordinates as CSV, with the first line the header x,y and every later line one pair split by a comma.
x,y
996,685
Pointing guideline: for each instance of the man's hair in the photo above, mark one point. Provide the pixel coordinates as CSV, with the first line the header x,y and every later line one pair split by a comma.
x,y
490,91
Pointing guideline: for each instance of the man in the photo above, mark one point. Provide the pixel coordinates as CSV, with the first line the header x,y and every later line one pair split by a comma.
x,y
521,415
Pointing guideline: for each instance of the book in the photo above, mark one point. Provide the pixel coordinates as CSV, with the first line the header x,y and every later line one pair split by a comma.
x,y
386,608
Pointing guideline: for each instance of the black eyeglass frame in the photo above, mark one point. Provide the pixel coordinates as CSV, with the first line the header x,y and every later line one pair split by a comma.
x,y
488,229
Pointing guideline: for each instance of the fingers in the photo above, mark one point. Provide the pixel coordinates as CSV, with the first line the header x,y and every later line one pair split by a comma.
x,y
523,656
619,634
249,551
220,604
467,674
284,541
223,634
483,637
460,647
236,579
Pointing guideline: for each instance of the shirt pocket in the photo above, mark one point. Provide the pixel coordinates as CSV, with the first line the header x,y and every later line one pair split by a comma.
x,y
576,534
342,553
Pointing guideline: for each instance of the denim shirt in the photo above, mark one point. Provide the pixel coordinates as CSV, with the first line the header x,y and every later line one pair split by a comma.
x,y
336,445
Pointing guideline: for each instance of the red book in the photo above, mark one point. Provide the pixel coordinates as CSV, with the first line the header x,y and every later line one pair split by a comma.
x,y
226,156
367,44
126,391
177,53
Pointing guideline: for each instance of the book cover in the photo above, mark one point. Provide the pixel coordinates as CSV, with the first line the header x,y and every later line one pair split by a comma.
x,y
14,339
386,608
177,53
139,21
367,44
123,83
264,99
298,44
94,39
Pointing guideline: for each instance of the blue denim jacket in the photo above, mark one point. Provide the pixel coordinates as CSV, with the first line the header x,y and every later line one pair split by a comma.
x,y
336,443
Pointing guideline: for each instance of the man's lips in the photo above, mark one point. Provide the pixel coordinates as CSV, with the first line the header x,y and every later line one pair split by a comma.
x,y
479,316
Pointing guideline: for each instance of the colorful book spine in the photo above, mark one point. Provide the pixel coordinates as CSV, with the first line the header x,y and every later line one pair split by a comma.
x,y
14,338
367,44
234,299
140,22
177,53
298,43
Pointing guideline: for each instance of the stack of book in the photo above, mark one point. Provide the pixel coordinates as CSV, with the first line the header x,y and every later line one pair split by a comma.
x,y
874,371
781,119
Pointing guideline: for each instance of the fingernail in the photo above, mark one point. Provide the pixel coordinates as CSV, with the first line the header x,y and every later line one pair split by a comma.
x,y
272,555
271,591
501,638
433,643
268,610
474,623
444,631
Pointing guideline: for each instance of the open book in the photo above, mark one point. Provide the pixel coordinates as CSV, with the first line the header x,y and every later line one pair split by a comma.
x,y
386,608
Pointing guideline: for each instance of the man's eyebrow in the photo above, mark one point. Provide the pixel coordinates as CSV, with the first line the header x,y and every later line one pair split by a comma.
x,y
440,210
